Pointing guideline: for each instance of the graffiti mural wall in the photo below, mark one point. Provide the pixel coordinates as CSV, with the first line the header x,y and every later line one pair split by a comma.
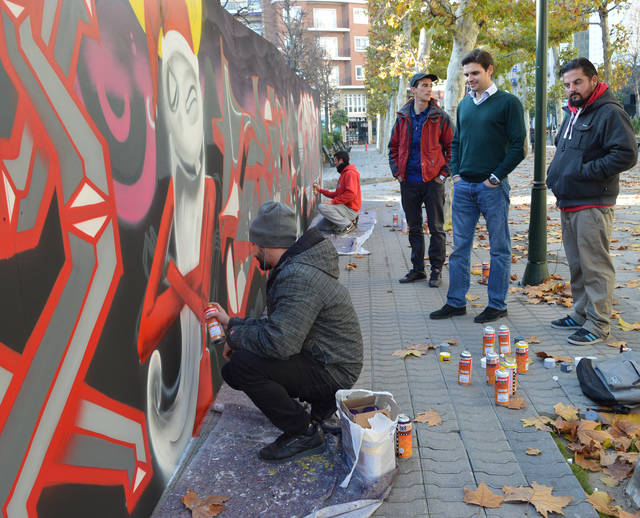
x,y
137,141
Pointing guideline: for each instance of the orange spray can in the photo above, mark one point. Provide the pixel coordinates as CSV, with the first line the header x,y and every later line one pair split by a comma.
x,y
522,356
464,368
404,437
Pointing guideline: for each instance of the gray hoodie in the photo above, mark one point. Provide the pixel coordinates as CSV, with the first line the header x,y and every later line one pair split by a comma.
x,y
308,312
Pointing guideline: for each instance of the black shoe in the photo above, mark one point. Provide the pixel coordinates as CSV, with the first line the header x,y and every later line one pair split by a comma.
x,y
288,447
413,276
448,311
435,279
490,314
331,424
565,323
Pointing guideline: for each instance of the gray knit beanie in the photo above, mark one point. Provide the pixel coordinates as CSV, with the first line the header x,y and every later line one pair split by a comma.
x,y
274,226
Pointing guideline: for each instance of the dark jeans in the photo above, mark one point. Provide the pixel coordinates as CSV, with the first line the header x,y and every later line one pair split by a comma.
x,y
272,384
432,195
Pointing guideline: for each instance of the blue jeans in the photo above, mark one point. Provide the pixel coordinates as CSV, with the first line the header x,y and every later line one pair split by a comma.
x,y
469,201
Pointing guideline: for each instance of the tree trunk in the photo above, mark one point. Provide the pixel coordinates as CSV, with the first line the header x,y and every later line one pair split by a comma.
x,y
464,40
465,36
556,79
424,47
606,42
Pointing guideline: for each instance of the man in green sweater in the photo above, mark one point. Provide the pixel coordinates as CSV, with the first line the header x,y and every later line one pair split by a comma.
x,y
488,144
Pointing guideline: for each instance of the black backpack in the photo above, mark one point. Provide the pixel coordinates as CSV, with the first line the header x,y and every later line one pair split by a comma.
x,y
611,382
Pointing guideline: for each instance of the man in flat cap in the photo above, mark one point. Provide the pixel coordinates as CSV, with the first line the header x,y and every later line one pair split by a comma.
x,y
419,153
308,346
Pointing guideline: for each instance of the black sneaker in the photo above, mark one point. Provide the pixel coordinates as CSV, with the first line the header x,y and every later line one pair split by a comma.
x,y
331,424
584,337
448,311
412,276
289,447
565,323
490,314
435,279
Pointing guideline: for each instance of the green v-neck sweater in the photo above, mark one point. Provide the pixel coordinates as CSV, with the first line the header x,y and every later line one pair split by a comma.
x,y
489,137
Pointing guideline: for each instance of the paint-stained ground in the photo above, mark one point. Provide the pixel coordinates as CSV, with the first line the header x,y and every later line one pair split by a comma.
x,y
476,441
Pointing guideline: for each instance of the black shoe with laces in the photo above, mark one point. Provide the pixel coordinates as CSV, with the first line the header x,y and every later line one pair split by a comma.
x,y
490,314
412,276
292,446
448,311
435,279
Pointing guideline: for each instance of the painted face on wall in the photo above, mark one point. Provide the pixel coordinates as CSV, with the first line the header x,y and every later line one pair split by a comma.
x,y
184,110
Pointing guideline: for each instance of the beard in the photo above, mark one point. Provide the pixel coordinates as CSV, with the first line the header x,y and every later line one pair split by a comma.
x,y
262,262
577,101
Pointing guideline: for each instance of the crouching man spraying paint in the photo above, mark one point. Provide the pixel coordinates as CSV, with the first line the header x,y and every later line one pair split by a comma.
x,y
308,346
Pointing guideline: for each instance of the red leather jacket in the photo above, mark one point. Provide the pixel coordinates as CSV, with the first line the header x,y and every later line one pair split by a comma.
x,y
435,143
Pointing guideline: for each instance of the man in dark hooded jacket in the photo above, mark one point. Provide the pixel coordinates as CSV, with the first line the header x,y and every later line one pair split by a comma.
x,y
595,144
308,346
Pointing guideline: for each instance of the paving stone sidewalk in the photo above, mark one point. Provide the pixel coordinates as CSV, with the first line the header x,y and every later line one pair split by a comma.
x,y
477,441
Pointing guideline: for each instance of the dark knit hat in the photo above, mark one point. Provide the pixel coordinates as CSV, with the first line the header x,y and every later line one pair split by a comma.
x,y
274,226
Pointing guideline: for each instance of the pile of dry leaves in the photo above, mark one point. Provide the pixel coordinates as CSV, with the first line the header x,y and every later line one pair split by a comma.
x,y
607,446
551,291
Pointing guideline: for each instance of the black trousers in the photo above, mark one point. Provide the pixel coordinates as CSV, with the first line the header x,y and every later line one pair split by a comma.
x,y
272,384
432,195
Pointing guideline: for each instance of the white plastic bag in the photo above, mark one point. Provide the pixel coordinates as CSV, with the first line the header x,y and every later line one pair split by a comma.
x,y
370,451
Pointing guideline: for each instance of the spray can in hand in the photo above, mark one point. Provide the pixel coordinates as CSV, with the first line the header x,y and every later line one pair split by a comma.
x,y
216,333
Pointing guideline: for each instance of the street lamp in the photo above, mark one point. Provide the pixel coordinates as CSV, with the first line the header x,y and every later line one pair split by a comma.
x,y
536,270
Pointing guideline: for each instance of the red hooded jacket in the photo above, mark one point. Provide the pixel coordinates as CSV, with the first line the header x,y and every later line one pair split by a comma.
x,y
348,190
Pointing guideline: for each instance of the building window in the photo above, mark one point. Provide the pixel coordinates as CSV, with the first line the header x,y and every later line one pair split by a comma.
x,y
324,18
360,15
334,78
330,46
359,73
355,103
361,43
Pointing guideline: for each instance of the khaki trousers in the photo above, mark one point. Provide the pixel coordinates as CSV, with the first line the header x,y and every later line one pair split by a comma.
x,y
586,237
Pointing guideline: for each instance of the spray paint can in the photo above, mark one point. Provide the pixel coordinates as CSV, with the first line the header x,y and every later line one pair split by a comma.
x,y
404,437
493,363
488,340
511,367
485,271
216,333
502,387
504,340
395,220
464,368
522,356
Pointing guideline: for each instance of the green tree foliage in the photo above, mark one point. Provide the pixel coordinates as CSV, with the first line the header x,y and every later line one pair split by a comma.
x,y
507,30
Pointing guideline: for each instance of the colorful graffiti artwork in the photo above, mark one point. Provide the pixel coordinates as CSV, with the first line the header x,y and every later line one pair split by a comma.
x,y
137,140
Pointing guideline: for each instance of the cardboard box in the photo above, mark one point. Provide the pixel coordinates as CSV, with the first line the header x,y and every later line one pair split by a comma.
x,y
359,405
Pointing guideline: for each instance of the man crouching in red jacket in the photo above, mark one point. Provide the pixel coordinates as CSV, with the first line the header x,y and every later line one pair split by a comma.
x,y
341,214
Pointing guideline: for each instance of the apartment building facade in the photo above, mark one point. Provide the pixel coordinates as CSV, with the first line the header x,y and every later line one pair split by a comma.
x,y
341,27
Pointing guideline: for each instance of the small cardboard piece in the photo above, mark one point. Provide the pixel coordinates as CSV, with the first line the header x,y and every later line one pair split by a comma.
x,y
359,404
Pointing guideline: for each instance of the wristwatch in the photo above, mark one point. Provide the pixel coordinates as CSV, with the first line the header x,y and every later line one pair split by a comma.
x,y
442,177
494,180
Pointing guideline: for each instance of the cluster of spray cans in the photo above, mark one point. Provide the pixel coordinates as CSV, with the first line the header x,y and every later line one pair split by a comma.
x,y
501,367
